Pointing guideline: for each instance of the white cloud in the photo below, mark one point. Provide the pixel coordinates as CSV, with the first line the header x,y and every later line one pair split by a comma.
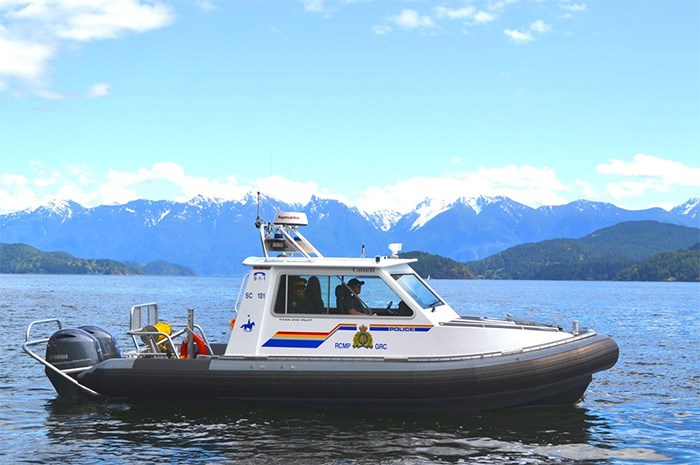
x,y
540,26
407,19
647,172
526,184
588,191
32,33
95,91
287,190
455,13
168,180
381,29
22,59
466,13
522,176
483,17
625,189
518,37
44,182
109,19
524,37
205,5
16,193
164,180
98,90
573,7
314,6
160,171
411,19
531,185
653,168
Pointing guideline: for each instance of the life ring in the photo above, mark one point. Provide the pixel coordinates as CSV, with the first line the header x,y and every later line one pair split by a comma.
x,y
200,349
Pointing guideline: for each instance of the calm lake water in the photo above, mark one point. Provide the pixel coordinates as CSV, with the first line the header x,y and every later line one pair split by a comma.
x,y
645,410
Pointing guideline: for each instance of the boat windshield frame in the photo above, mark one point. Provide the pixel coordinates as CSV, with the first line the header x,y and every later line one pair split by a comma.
x,y
418,290
331,289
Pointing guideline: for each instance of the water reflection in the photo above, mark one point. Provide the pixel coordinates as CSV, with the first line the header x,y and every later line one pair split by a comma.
x,y
210,434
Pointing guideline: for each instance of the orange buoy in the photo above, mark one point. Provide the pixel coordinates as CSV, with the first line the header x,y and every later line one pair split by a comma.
x,y
200,346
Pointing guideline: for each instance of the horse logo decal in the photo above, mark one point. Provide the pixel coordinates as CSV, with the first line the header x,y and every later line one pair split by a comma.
x,y
248,327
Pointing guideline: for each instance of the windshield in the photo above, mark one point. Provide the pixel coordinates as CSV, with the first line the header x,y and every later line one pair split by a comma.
x,y
418,291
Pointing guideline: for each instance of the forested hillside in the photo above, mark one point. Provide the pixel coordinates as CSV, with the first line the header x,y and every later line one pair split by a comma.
x,y
24,259
683,265
435,266
642,250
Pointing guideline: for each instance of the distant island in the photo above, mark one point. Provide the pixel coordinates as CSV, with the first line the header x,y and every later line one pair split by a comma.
x,y
25,259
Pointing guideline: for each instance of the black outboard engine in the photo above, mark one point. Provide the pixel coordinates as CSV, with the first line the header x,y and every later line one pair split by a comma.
x,y
107,342
72,348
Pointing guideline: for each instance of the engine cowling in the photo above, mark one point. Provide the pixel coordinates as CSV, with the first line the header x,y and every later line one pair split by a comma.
x,y
73,348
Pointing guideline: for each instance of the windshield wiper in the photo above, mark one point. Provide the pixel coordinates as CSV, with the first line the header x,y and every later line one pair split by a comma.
x,y
432,306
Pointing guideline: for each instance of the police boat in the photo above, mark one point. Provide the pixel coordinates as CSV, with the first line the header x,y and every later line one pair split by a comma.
x,y
330,333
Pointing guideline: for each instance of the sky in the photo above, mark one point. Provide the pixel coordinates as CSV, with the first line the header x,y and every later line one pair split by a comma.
x,y
379,104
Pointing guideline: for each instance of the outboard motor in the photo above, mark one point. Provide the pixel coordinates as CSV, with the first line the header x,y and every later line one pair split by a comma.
x,y
107,342
68,349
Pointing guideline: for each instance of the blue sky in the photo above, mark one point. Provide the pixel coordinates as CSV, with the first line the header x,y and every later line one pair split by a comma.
x,y
377,103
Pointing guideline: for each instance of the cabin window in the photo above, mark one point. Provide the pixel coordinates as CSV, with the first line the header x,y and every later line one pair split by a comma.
x,y
331,294
418,290
303,294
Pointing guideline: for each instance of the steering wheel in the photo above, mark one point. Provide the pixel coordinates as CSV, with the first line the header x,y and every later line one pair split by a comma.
x,y
388,309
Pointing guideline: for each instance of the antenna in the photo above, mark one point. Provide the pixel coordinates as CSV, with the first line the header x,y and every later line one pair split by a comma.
x,y
258,221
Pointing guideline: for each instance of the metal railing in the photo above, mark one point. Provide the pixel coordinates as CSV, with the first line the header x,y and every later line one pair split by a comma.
x,y
149,342
153,341
29,343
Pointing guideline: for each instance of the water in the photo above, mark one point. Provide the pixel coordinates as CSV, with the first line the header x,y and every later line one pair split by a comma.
x,y
645,410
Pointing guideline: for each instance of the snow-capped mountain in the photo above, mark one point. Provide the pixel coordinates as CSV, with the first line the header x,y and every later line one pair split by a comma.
x,y
690,209
213,236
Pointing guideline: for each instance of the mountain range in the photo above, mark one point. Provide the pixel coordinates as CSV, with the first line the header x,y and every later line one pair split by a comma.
x,y
212,236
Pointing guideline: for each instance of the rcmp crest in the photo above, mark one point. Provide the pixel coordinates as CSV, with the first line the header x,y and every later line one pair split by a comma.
x,y
362,338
